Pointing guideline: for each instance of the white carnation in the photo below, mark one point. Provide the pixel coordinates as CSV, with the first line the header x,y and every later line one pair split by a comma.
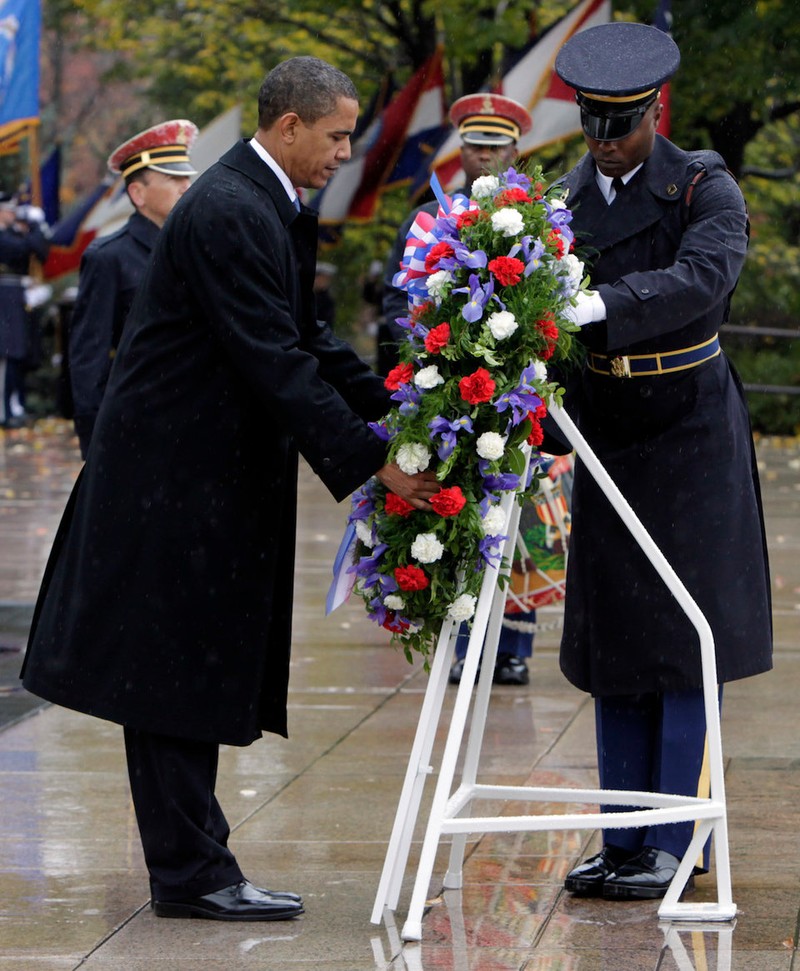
x,y
557,204
426,548
570,268
494,521
539,371
463,607
413,457
438,282
502,324
490,445
508,222
364,533
428,377
393,602
485,185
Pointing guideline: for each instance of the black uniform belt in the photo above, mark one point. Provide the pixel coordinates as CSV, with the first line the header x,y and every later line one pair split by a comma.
x,y
644,365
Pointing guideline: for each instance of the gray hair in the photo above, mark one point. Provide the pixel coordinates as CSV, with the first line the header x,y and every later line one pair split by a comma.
x,y
306,85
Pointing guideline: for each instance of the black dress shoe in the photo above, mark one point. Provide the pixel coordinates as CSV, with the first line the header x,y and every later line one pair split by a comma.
x,y
240,901
587,879
457,670
646,876
510,669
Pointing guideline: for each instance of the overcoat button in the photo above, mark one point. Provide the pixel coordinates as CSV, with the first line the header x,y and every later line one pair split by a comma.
x,y
645,290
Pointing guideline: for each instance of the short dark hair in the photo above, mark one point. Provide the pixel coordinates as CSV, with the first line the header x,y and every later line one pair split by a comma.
x,y
308,86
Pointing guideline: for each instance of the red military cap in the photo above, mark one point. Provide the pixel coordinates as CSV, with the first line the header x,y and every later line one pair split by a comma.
x,y
490,119
164,148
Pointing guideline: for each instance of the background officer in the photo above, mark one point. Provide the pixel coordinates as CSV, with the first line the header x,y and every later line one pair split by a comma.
x,y
156,167
661,406
23,234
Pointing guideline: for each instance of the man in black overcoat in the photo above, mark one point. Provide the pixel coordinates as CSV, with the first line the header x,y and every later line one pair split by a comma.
x,y
664,411
166,603
156,168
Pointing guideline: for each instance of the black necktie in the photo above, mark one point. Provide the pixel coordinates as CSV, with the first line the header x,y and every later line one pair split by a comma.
x,y
618,185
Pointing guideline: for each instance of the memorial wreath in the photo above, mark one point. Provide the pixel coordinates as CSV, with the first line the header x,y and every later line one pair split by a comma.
x,y
488,281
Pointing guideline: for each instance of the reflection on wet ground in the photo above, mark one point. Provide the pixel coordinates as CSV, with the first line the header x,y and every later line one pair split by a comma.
x,y
314,813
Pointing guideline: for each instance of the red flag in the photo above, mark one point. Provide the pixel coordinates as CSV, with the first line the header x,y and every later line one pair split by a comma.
x,y
532,81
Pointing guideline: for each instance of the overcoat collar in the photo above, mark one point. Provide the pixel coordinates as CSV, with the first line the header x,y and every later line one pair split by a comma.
x,y
657,184
243,159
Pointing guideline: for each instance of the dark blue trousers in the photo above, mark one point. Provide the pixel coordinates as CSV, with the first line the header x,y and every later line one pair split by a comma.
x,y
653,743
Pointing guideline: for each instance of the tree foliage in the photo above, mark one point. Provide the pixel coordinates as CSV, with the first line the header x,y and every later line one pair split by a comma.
x,y
737,90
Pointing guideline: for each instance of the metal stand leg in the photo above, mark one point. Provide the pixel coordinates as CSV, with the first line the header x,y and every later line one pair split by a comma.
x,y
451,814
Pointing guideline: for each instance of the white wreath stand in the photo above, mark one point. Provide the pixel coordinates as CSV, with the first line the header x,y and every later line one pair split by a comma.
x,y
448,812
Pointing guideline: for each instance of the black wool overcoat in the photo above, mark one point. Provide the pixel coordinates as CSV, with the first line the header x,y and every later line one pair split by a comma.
x,y
166,603
678,445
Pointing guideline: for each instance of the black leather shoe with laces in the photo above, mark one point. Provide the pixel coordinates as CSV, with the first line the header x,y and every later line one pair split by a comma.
x,y
510,669
646,876
587,879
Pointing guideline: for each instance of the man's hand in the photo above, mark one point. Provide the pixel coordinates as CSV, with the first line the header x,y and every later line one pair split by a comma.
x,y
589,308
416,489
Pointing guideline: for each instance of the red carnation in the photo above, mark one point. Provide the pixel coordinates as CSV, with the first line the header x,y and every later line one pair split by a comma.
x,y
509,196
440,251
394,624
477,387
468,218
397,506
449,502
401,374
410,578
538,190
547,328
507,269
557,241
536,436
437,338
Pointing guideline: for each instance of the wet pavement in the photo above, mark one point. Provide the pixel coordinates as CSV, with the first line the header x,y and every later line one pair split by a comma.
x,y
314,813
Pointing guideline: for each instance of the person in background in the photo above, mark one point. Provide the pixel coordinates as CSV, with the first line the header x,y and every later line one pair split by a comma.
x,y
326,305
23,236
166,605
157,171
664,411
489,125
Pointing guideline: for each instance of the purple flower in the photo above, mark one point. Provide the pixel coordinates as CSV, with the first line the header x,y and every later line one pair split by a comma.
x,y
514,179
479,295
532,254
489,549
463,257
380,430
448,430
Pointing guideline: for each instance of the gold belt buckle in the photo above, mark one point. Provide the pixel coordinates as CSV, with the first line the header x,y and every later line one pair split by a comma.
x,y
620,367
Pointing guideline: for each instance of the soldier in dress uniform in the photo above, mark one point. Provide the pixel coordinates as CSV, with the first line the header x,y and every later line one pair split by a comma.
x,y
664,411
489,125
23,234
156,167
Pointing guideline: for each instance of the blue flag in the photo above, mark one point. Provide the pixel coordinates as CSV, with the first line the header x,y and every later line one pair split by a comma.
x,y
20,24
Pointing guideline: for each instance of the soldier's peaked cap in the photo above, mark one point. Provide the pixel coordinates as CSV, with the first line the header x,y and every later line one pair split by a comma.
x,y
164,148
616,71
490,119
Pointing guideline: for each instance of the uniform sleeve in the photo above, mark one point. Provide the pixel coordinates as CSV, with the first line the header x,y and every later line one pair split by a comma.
x,y
90,338
246,292
710,256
